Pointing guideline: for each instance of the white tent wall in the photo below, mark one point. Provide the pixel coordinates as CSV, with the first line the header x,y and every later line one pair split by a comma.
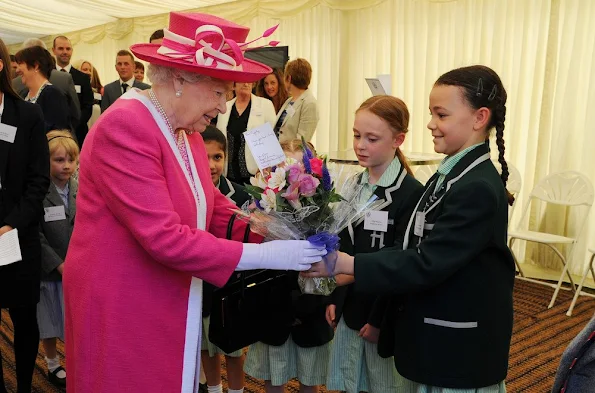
x,y
544,50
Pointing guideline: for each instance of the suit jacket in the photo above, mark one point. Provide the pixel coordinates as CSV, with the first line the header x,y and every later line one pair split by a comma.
x,y
55,235
456,276
24,175
304,120
85,99
113,91
261,111
64,82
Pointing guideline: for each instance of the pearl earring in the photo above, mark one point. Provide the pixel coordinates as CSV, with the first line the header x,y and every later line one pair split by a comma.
x,y
179,93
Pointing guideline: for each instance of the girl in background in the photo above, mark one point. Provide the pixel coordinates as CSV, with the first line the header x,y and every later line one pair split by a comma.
x,y
378,132
299,351
55,231
216,146
451,330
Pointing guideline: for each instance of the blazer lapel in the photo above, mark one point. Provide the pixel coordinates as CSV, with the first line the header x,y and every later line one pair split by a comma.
x,y
297,105
53,196
9,117
467,160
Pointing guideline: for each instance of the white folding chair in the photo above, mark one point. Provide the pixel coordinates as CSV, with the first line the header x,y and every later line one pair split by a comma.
x,y
568,188
423,172
580,286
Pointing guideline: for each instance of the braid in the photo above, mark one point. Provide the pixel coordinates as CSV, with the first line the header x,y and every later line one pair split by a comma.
x,y
500,115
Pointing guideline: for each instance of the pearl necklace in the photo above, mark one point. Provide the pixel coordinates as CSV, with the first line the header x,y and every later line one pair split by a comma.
x,y
161,111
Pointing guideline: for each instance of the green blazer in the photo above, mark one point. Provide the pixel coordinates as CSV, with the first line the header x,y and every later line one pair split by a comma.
x,y
453,323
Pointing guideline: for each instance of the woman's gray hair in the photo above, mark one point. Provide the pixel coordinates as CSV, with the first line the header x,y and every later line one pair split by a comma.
x,y
159,75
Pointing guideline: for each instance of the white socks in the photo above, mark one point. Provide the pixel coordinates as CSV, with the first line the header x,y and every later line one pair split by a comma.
x,y
235,390
54,364
215,389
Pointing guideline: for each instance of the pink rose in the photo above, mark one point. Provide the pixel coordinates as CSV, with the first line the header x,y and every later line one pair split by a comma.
x,y
308,185
292,195
316,165
293,172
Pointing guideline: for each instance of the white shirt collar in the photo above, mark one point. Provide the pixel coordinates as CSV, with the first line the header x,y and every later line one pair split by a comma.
x,y
129,82
67,68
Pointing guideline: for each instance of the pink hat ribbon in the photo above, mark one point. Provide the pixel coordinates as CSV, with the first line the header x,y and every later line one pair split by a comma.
x,y
209,48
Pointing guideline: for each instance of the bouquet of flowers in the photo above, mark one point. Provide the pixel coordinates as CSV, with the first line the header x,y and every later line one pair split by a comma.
x,y
298,200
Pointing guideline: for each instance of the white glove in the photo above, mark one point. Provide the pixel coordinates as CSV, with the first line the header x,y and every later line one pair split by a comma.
x,y
280,255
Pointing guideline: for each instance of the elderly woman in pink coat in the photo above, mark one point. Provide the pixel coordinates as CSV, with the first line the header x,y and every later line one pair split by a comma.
x,y
150,223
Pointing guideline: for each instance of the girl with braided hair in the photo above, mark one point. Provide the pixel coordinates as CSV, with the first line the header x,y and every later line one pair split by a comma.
x,y
450,322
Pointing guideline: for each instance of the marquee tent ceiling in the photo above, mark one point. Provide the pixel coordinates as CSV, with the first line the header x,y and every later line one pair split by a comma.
x,y
24,19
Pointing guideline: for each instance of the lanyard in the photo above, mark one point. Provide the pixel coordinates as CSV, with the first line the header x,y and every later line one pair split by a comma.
x,y
419,216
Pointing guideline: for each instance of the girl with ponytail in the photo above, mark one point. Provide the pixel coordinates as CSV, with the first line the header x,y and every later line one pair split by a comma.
x,y
379,130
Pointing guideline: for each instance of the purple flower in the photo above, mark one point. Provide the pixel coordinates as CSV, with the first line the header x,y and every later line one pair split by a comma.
x,y
326,178
258,204
308,185
307,165
293,172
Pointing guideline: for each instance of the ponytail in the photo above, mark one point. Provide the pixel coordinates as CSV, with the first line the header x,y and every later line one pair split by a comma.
x,y
403,160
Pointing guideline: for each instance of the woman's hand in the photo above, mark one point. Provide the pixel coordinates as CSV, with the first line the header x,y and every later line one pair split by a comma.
x,y
369,333
280,255
5,228
343,265
330,315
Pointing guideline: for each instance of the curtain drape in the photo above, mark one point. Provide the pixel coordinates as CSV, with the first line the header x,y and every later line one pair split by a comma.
x,y
544,51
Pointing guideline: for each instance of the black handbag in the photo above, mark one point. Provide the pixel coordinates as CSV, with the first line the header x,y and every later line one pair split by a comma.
x,y
248,305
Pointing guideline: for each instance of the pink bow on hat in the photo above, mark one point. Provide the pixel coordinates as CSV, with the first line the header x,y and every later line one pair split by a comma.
x,y
209,48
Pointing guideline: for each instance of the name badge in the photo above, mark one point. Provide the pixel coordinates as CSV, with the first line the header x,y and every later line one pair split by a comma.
x,y
290,111
376,220
257,113
54,213
97,96
7,133
77,88
420,220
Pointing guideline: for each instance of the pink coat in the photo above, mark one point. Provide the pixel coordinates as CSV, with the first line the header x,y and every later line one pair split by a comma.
x,y
134,269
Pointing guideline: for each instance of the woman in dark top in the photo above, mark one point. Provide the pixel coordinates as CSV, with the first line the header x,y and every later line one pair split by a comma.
x,y
36,64
24,181
244,112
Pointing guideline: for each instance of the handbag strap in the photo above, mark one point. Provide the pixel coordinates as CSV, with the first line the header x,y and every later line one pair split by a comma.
x,y
230,225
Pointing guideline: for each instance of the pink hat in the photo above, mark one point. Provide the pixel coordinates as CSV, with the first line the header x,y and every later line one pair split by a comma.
x,y
205,44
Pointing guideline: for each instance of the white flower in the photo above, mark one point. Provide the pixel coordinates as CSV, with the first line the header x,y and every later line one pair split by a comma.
x,y
290,161
268,200
277,179
258,181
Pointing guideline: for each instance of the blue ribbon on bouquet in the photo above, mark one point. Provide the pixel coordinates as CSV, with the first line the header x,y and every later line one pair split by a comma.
x,y
331,243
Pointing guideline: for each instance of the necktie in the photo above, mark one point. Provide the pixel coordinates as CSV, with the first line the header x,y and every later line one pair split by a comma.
x,y
124,87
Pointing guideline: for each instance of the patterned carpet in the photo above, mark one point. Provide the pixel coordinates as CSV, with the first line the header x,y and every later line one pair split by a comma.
x,y
539,338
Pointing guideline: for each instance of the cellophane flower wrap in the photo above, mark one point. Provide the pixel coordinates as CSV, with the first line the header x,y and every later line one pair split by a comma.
x,y
298,200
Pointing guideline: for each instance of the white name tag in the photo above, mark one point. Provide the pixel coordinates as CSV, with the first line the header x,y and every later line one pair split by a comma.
x,y
376,220
420,220
7,133
54,213
77,88
97,96
290,111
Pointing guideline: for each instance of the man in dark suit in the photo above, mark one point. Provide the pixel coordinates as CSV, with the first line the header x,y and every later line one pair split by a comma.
x,y
62,49
61,80
125,68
